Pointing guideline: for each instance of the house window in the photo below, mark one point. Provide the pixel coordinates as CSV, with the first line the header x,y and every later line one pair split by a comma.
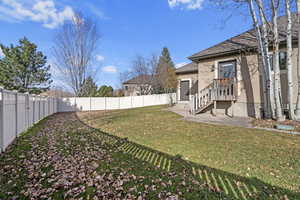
x,y
126,87
227,69
282,60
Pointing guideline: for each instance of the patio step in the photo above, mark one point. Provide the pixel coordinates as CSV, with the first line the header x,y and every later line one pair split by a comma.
x,y
182,106
201,109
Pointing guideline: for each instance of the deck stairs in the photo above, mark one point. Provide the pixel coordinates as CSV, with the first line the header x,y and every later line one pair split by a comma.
x,y
217,91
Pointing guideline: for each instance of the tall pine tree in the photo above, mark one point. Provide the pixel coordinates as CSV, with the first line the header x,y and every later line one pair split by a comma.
x,y
88,89
165,72
24,69
105,91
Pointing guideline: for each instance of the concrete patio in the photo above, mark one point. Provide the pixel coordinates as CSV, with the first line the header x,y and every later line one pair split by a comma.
x,y
182,109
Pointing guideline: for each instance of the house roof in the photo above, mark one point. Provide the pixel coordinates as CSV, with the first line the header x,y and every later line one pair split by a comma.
x,y
139,79
188,68
245,41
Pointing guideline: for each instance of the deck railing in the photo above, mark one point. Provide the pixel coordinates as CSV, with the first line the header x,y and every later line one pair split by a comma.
x,y
218,90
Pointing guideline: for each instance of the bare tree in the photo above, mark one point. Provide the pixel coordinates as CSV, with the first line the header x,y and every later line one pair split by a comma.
x,y
143,72
276,68
289,59
74,49
263,60
297,112
266,56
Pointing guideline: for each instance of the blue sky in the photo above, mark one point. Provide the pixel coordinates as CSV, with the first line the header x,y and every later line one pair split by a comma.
x,y
128,28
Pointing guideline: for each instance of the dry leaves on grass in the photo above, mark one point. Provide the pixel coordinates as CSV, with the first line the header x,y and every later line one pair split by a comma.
x,y
65,162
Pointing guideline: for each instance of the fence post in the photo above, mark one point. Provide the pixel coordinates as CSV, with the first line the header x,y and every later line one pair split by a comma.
x,y
56,105
44,107
39,107
27,109
1,120
33,109
105,103
16,111
49,106
131,101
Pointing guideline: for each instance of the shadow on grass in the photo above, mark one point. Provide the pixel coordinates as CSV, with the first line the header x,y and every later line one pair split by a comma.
x,y
234,186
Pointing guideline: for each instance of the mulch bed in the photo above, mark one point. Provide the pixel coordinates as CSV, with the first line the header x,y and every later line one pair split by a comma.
x,y
272,123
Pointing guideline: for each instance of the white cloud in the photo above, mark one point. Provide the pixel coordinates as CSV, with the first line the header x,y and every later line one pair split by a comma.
x,y
99,58
180,64
42,11
110,69
188,4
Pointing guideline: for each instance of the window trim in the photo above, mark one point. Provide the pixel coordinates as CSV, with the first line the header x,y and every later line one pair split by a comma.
x,y
228,61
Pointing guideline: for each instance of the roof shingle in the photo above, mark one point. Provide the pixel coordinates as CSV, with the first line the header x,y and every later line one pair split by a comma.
x,y
141,79
246,40
188,68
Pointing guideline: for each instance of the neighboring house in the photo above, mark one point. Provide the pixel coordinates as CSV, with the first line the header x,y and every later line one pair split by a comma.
x,y
229,78
139,85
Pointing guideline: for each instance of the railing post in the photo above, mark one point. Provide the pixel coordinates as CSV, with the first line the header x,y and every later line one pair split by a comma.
x,y
215,108
232,108
197,106
192,106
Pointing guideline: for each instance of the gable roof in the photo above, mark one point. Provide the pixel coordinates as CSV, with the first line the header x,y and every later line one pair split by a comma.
x,y
188,68
141,79
245,41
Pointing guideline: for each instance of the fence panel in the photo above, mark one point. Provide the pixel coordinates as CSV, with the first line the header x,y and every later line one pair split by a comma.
x,y
8,129
98,103
67,105
19,111
30,110
137,101
126,103
36,109
112,103
83,103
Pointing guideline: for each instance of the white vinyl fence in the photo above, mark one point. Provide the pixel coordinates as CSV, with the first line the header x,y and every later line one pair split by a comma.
x,y
113,103
19,111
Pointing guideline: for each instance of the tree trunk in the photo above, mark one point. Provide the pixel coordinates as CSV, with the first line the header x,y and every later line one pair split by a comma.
x,y
266,56
276,68
289,59
261,52
297,112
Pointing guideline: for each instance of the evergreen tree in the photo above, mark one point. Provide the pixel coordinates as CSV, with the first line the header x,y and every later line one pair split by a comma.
x,y
165,72
24,69
105,91
88,89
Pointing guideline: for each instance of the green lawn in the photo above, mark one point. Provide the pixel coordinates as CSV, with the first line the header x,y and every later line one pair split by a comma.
x,y
63,157
259,156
